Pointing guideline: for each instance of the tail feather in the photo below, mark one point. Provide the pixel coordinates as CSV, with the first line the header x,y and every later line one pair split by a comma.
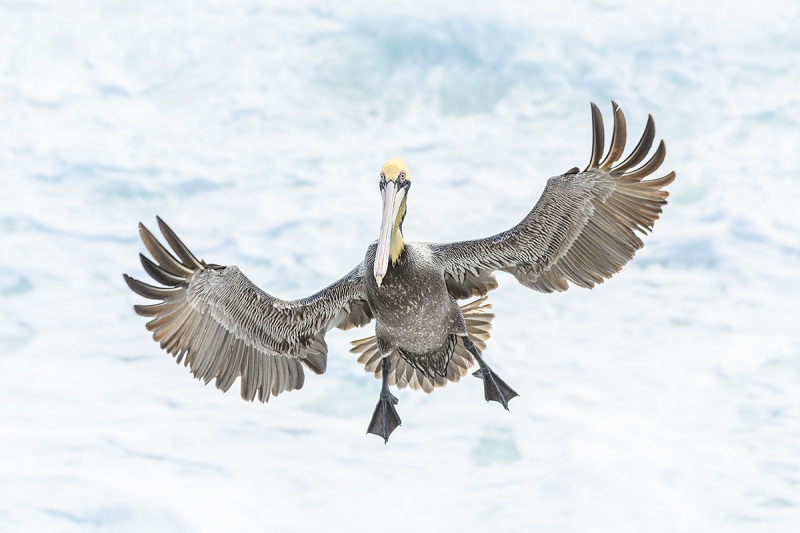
x,y
478,320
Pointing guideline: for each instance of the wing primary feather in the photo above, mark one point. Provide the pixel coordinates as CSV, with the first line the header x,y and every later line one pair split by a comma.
x,y
153,310
631,213
180,249
642,148
598,137
160,254
642,199
651,166
166,318
618,138
644,193
159,274
659,182
148,291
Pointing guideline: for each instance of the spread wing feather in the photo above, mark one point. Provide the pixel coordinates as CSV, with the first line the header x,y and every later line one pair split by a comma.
x,y
582,229
223,327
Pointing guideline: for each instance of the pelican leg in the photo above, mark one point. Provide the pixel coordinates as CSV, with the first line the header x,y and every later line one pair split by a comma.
x,y
494,388
385,418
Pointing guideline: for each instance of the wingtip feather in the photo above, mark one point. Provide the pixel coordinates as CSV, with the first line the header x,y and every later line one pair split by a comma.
x,y
178,246
651,165
598,136
618,137
642,147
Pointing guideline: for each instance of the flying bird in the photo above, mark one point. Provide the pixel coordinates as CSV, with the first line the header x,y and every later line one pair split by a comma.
x,y
581,231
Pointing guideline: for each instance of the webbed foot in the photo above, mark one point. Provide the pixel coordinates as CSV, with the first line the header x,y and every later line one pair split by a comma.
x,y
385,418
494,388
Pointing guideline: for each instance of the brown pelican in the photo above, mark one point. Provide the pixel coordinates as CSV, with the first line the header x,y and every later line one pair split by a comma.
x,y
581,230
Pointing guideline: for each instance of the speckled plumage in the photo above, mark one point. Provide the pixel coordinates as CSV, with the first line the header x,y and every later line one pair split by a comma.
x,y
581,231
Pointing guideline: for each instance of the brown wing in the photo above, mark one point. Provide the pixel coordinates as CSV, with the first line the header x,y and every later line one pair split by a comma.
x,y
582,229
223,327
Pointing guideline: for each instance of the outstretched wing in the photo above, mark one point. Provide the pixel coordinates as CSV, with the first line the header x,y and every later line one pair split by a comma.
x,y
582,229
222,326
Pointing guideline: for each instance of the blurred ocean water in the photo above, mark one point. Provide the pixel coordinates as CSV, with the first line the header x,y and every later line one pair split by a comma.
x,y
667,399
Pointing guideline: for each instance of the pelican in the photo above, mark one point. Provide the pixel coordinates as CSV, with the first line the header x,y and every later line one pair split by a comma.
x,y
581,231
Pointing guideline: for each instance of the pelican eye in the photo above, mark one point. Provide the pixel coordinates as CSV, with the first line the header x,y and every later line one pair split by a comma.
x,y
403,182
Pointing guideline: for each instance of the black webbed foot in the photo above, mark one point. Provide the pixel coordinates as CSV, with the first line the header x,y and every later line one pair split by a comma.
x,y
385,418
494,388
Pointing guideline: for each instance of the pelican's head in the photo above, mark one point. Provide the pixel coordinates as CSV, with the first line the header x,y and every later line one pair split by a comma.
x,y
395,182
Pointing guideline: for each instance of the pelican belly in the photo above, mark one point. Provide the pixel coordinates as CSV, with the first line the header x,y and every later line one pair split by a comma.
x,y
412,307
